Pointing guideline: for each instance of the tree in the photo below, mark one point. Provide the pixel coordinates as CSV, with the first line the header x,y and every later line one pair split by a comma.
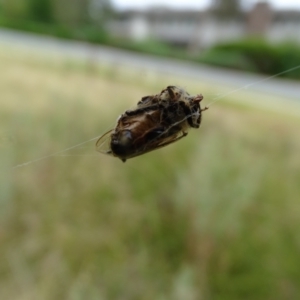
x,y
226,9
40,10
14,8
77,12
100,11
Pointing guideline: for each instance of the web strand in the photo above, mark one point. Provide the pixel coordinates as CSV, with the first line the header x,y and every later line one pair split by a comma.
x,y
53,154
251,84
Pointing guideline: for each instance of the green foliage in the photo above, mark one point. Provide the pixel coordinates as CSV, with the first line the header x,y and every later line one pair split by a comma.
x,y
256,55
148,46
71,12
40,10
67,12
36,10
14,8
226,9
84,33
227,59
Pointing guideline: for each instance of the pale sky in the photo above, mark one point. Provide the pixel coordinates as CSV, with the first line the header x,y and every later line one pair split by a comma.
x,y
193,4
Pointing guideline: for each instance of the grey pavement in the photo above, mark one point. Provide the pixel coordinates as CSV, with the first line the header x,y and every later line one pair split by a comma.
x,y
82,50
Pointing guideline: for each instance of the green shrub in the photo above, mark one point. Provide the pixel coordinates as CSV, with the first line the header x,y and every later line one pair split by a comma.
x,y
228,59
256,55
148,46
40,10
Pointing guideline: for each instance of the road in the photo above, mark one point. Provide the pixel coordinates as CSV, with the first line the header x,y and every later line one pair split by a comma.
x,y
81,50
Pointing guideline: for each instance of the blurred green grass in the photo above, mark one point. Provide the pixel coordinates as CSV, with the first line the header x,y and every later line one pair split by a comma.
x,y
215,216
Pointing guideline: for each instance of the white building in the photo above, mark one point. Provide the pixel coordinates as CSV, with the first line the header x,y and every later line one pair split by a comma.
x,y
202,29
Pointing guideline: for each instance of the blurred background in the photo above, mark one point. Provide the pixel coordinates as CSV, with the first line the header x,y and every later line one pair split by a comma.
x,y
214,216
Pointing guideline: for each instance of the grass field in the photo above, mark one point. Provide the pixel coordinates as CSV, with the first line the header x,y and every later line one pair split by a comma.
x,y
214,216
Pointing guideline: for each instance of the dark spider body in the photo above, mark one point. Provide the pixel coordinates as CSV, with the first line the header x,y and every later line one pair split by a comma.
x,y
157,121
